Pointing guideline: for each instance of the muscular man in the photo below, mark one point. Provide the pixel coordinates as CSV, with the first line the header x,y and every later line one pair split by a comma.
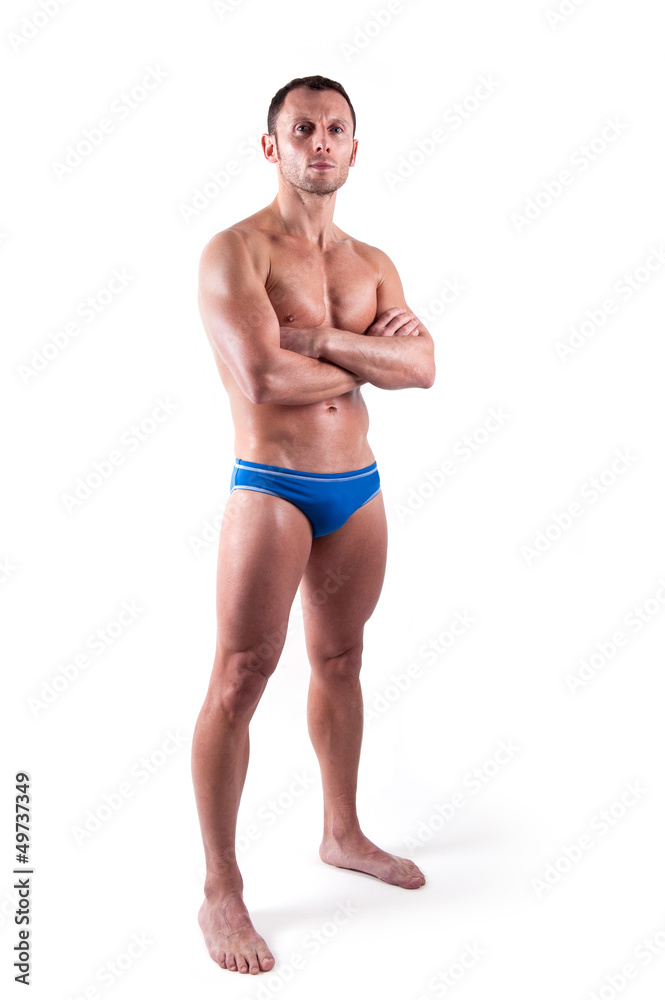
x,y
299,316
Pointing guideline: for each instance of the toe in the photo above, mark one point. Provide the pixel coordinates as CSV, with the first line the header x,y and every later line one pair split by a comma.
x,y
221,959
253,959
242,963
231,962
413,873
266,960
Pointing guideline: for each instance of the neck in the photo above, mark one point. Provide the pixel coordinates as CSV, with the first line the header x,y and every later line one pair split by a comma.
x,y
302,213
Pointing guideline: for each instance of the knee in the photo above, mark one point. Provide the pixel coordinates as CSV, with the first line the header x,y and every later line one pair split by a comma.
x,y
238,681
338,663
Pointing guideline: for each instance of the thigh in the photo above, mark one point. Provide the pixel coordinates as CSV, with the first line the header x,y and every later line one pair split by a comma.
x,y
343,579
264,545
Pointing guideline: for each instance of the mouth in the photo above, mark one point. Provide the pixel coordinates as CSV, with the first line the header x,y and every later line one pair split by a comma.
x,y
321,166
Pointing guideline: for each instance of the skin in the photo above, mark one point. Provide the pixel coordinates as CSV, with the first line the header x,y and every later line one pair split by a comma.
x,y
299,316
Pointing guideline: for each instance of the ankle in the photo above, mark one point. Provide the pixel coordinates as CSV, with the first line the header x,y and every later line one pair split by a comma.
x,y
341,832
223,882
214,891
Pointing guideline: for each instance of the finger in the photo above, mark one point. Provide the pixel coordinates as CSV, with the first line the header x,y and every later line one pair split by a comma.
x,y
409,326
397,322
393,324
389,315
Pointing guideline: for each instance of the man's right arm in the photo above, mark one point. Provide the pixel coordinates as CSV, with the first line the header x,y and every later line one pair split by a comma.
x,y
244,328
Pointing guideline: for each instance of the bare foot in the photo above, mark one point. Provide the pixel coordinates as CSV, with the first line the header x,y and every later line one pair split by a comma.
x,y
230,936
361,855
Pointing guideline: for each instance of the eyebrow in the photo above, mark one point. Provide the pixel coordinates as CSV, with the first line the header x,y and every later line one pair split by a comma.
x,y
300,118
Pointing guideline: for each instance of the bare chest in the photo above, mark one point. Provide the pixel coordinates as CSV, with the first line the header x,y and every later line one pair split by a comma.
x,y
312,288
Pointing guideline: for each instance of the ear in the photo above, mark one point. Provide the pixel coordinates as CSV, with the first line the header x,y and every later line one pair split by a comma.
x,y
269,147
353,155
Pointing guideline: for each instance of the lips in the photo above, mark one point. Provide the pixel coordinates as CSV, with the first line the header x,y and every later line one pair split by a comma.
x,y
321,165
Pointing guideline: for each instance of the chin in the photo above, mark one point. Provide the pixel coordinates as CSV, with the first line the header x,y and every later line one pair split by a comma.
x,y
324,186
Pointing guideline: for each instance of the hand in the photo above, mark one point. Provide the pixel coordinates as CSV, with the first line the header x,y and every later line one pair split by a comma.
x,y
303,340
395,322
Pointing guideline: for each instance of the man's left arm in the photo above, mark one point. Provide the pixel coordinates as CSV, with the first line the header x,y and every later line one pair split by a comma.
x,y
395,352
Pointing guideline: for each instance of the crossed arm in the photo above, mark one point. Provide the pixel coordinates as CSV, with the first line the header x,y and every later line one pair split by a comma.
x,y
277,364
396,351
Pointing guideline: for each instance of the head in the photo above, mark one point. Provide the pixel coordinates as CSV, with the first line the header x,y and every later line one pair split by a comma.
x,y
311,120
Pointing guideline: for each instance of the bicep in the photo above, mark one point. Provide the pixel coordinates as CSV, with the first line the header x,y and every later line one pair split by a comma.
x,y
235,309
390,293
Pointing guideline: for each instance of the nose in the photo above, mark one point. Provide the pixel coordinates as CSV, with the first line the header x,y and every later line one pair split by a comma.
x,y
322,141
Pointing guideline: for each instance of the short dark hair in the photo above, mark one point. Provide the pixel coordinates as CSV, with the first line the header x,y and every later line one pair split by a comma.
x,y
314,83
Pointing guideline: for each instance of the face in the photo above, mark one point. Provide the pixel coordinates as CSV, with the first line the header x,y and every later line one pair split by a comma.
x,y
314,127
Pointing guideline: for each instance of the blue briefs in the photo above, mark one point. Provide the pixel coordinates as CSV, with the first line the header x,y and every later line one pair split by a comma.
x,y
328,499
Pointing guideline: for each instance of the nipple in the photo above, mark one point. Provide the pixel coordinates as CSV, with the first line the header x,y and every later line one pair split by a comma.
x,y
289,318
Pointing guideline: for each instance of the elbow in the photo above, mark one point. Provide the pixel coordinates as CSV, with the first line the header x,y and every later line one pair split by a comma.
x,y
255,387
425,369
426,377
258,393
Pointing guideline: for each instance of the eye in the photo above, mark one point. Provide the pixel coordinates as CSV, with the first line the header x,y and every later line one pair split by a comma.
x,y
338,127
301,126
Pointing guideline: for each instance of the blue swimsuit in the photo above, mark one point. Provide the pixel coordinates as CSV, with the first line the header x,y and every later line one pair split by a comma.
x,y
328,499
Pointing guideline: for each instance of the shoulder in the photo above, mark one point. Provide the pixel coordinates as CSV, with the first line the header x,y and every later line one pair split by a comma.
x,y
242,245
377,259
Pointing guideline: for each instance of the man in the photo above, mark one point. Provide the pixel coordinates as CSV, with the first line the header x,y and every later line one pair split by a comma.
x,y
299,316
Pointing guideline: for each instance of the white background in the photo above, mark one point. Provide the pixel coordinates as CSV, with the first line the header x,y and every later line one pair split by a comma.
x,y
460,547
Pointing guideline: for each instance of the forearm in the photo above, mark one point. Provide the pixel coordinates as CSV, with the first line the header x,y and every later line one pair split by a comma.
x,y
386,362
294,379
